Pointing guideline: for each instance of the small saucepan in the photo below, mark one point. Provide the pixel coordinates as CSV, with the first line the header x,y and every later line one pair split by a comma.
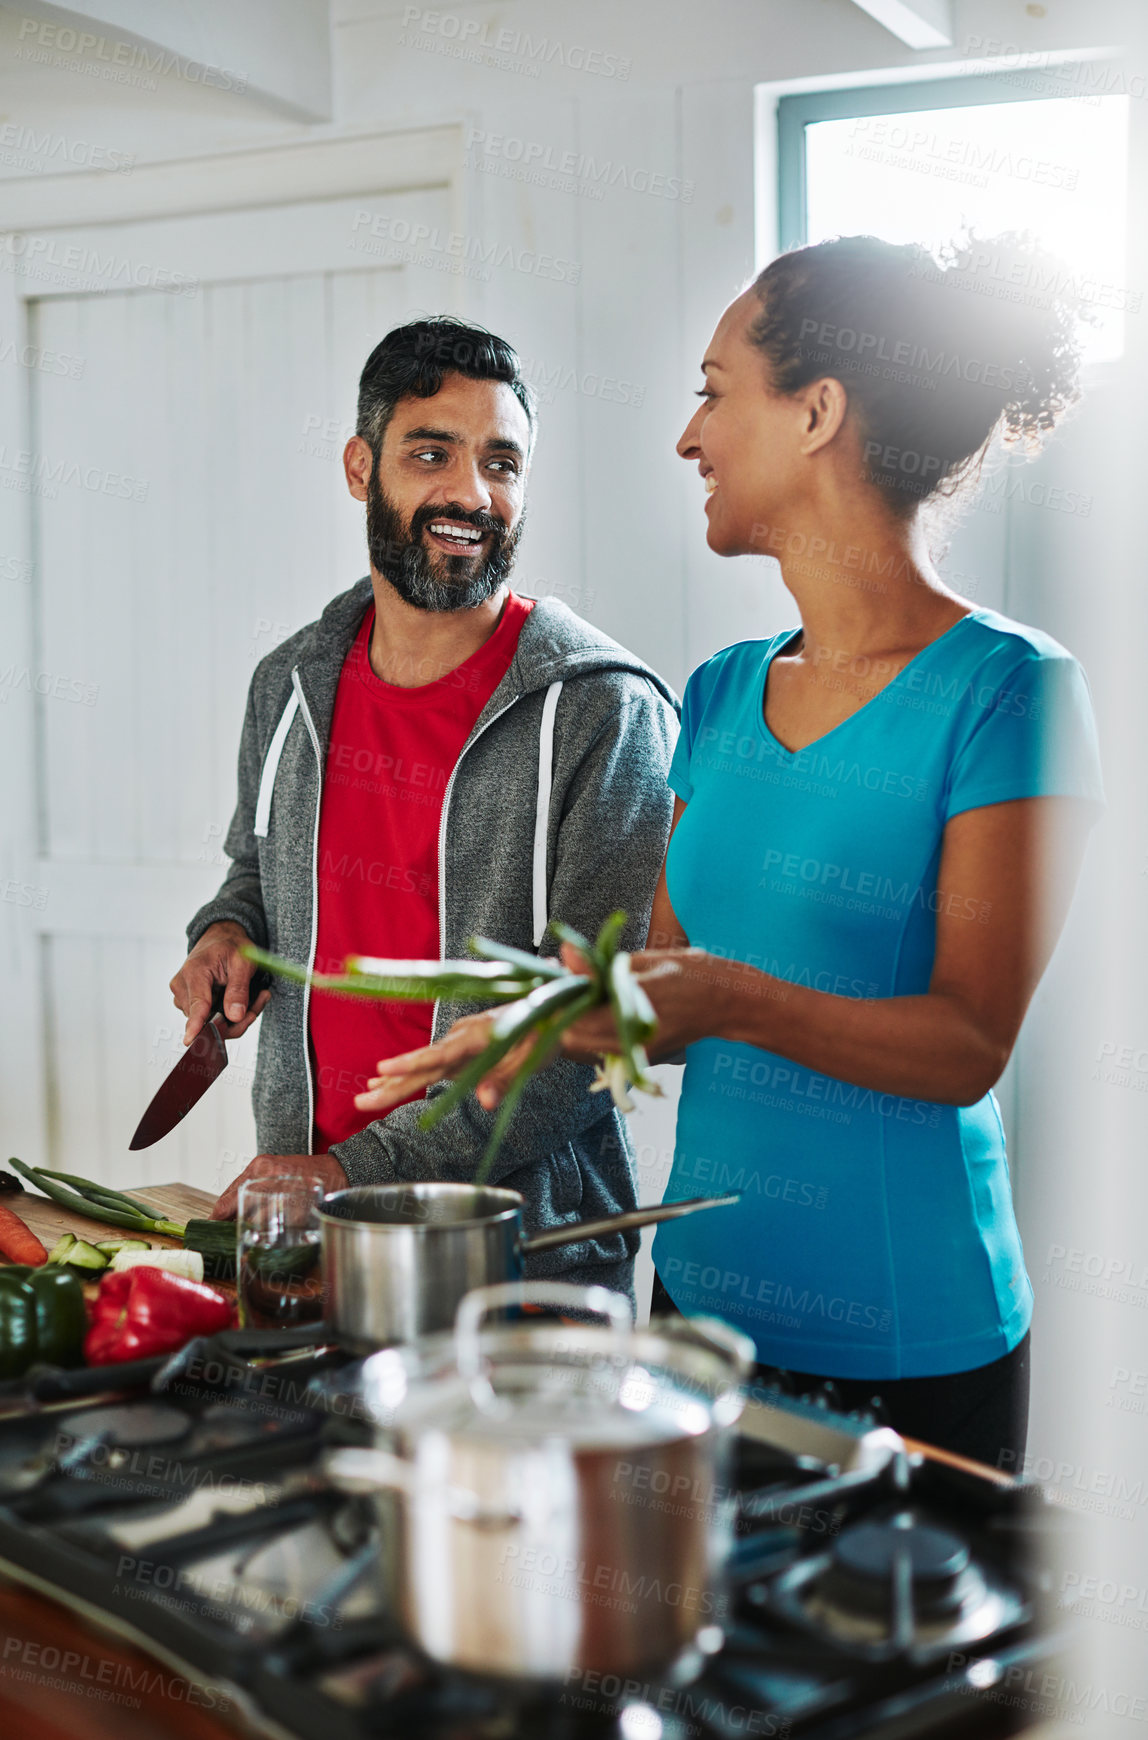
x,y
399,1258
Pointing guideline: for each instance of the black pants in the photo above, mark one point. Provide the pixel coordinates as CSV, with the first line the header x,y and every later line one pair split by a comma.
x,y
982,1413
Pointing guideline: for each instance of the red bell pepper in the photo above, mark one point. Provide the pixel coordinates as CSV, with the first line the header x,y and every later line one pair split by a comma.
x,y
143,1311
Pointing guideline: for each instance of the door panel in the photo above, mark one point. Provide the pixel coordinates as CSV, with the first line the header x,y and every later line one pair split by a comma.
x,y
192,513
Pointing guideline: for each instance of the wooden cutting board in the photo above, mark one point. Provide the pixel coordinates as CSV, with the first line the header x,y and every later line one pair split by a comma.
x,y
178,1202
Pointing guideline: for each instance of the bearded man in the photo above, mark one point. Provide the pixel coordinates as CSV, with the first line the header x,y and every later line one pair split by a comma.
x,y
436,757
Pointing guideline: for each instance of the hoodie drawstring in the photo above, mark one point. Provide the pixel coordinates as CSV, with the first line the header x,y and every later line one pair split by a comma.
x,y
542,813
271,767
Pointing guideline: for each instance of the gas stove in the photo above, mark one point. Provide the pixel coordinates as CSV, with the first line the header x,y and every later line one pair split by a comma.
x,y
871,1593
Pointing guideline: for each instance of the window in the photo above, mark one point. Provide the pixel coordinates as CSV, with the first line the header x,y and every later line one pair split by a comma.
x,y
925,162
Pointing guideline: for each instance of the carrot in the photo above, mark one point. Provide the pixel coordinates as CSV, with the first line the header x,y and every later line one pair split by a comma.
x,y
18,1242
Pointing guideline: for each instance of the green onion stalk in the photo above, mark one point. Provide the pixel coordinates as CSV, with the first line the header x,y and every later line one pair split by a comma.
x,y
97,1201
536,999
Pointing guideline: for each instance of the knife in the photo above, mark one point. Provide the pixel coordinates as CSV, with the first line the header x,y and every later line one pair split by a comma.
x,y
204,1059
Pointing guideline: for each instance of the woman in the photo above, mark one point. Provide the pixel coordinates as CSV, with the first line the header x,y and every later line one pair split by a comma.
x,y
880,817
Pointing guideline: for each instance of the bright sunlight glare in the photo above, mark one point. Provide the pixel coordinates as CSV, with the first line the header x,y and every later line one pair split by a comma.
x,y
1056,167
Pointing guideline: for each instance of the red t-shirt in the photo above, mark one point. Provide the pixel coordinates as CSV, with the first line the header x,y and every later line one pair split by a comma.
x,y
390,756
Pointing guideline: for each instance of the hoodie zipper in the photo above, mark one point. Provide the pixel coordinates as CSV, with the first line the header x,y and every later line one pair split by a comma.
x,y
314,735
442,820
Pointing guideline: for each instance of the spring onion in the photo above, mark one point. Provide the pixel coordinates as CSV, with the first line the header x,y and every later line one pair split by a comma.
x,y
99,1192
542,999
138,1220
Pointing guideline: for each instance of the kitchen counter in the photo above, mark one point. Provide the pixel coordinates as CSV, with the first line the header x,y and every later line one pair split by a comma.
x,y
63,1678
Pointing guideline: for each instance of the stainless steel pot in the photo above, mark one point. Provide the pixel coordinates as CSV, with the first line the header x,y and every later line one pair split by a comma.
x,y
399,1258
554,1497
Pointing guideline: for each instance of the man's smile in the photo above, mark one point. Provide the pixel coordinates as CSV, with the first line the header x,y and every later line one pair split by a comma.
x,y
456,537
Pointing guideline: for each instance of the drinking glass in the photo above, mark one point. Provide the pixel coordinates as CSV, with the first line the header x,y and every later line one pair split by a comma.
x,y
277,1252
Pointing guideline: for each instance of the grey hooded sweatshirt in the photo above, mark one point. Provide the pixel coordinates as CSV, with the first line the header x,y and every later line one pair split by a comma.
x,y
557,807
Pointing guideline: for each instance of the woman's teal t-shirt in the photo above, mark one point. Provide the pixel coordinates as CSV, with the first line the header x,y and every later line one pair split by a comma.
x,y
875,1235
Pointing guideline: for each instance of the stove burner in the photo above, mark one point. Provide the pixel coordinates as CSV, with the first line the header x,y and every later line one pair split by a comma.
x,y
871,1557
129,1426
895,1586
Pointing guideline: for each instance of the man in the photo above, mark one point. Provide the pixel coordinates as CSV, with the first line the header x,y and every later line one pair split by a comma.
x,y
435,758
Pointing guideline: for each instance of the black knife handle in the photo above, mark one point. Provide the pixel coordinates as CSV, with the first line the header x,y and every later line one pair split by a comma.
x,y
260,982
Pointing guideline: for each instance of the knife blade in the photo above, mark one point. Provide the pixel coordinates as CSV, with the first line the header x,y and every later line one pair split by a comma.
x,y
204,1060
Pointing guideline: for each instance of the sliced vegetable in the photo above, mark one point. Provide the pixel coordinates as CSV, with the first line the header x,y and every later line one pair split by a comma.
x,y
42,1318
85,1256
17,1241
144,1310
215,1242
59,1251
186,1263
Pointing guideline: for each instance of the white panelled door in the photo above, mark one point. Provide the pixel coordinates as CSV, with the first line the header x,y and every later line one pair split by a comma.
x,y
192,513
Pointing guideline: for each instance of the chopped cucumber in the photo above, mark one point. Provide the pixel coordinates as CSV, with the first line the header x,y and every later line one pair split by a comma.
x,y
112,1247
85,1256
59,1251
215,1242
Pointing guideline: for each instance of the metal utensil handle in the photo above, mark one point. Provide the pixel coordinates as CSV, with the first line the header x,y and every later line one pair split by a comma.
x,y
632,1217
482,1301
362,1469
723,1339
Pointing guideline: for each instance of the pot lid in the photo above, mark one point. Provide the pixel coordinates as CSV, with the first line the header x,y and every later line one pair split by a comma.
x,y
594,1386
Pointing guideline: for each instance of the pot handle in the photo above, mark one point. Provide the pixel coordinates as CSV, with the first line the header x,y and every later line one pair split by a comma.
x,y
736,1347
476,1306
570,1232
362,1470
731,1344
359,1469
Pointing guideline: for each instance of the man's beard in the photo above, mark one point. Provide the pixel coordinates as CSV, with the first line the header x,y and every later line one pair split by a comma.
x,y
431,580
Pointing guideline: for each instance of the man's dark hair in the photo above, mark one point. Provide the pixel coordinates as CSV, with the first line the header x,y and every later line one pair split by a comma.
x,y
412,360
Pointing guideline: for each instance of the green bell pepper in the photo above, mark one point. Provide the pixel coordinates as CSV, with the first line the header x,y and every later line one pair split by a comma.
x,y
42,1318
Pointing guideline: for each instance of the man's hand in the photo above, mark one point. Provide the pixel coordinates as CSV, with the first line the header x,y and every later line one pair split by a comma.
x,y
322,1167
216,960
